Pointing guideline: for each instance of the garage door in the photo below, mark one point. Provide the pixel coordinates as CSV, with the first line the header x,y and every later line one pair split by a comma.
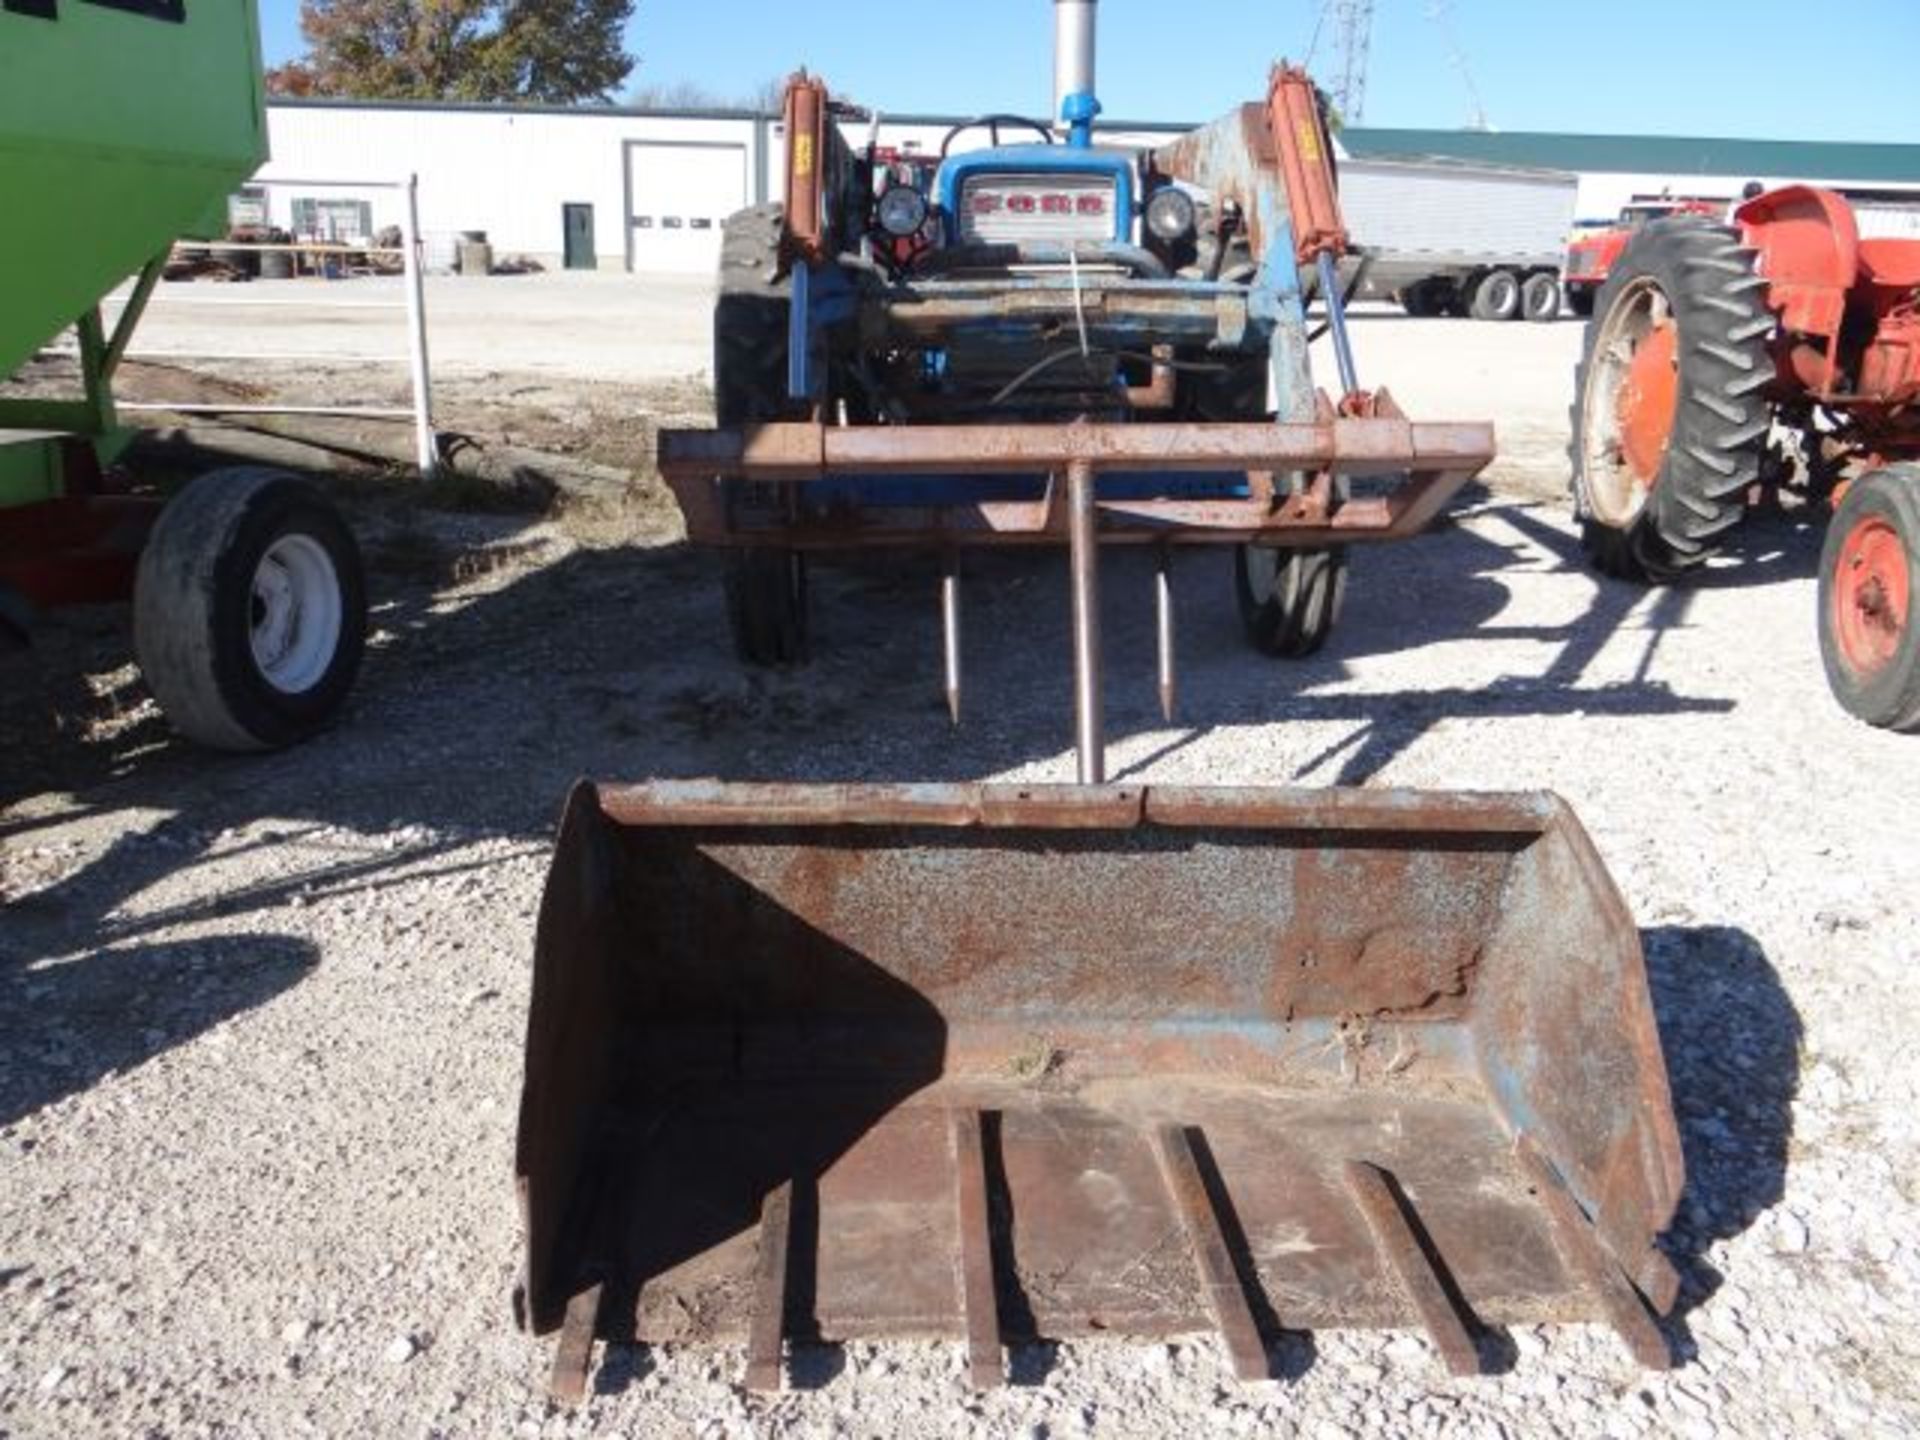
x,y
678,194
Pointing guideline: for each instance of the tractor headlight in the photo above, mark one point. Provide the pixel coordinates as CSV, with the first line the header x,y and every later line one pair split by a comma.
x,y
1170,214
901,210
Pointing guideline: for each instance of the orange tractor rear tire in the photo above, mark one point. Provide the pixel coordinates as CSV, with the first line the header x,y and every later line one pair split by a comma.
x,y
1669,413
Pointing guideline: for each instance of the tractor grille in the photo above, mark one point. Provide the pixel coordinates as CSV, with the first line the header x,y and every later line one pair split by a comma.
x,y
1016,209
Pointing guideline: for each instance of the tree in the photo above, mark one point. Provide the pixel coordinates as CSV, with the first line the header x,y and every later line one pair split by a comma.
x,y
553,51
765,98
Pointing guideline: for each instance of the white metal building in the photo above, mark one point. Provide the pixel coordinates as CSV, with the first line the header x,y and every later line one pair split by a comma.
x,y
588,188
610,188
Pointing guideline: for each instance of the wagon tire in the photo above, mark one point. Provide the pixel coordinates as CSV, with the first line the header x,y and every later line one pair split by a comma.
x,y
249,610
766,586
1869,639
1670,416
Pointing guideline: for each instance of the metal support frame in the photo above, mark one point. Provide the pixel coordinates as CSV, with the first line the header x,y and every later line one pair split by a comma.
x,y
101,362
100,353
1089,719
949,462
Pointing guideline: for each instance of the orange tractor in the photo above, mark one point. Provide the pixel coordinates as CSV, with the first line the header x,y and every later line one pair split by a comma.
x,y
1723,359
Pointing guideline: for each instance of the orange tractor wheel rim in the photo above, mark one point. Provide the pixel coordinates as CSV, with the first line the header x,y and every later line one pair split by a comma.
x,y
1871,595
1646,403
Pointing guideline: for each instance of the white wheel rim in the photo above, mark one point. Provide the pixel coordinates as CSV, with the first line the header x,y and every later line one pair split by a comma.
x,y
294,614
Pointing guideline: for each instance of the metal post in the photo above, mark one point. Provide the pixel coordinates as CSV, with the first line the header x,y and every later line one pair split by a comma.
x,y
950,628
1084,560
1163,626
94,372
426,447
1337,322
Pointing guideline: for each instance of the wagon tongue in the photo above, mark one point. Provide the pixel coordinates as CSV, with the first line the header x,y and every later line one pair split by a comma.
x,y
823,1062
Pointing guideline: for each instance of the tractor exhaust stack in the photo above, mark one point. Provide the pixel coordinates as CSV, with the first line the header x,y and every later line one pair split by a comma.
x,y
1074,23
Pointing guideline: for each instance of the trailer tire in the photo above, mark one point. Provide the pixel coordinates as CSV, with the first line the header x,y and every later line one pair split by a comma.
x,y
249,610
1669,414
766,587
1869,638
1496,296
1420,300
1540,297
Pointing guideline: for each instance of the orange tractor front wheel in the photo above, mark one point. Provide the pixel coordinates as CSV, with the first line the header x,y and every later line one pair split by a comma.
x,y
1868,571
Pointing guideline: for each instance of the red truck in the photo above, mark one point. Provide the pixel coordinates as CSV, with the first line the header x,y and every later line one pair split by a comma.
x,y
1590,256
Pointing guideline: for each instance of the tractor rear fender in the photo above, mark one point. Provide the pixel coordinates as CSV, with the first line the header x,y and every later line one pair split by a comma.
x,y
1808,248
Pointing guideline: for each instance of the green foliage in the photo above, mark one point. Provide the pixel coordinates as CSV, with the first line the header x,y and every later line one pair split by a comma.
x,y
553,51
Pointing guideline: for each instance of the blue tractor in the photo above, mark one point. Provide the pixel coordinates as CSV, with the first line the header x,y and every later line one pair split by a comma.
x,y
1050,340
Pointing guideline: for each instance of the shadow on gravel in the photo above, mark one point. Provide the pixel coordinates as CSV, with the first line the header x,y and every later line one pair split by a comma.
x,y
477,708
1732,1041
109,1010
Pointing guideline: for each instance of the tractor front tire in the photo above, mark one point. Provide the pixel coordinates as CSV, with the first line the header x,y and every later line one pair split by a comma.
x,y
765,586
1669,419
249,610
1869,640
767,604
1289,599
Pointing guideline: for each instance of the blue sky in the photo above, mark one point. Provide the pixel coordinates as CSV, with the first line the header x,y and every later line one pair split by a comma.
x,y
1773,69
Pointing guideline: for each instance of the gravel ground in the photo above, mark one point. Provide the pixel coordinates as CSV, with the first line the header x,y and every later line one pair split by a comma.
x,y
256,1113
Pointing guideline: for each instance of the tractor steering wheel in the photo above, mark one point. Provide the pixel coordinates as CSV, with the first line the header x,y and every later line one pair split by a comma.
x,y
993,124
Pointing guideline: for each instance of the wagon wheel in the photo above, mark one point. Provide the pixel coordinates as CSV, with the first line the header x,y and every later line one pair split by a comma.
x,y
249,610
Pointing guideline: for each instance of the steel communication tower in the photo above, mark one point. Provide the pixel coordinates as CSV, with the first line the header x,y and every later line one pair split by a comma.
x,y
1352,23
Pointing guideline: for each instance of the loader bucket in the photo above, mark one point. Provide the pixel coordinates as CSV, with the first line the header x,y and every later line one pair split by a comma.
x,y
823,1062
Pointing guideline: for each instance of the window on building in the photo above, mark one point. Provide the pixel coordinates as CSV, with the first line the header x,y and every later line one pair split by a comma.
x,y
247,208
345,222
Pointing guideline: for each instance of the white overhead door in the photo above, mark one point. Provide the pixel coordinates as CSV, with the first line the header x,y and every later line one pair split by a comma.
x,y
678,193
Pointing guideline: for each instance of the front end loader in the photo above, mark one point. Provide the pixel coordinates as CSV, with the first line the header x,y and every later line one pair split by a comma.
x,y
998,1064
1007,1063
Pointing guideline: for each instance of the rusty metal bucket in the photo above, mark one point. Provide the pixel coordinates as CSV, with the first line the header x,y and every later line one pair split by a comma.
x,y
834,1061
